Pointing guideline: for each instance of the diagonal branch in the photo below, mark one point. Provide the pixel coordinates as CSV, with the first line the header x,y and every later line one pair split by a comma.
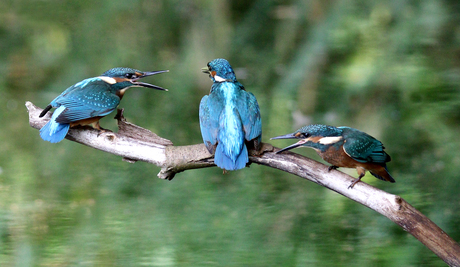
x,y
134,143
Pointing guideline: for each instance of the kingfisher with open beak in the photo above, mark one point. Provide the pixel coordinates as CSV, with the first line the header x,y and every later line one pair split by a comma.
x,y
88,101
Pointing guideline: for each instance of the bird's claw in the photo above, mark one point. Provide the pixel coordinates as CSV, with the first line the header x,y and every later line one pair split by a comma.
x,y
332,167
353,184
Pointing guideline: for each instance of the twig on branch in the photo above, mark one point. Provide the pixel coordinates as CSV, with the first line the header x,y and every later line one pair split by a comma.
x,y
134,143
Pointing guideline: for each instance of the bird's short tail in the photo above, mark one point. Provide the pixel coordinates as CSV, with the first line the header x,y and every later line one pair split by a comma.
x,y
52,131
383,174
225,162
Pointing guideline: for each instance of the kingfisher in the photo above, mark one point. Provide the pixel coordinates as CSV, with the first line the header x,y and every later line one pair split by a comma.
x,y
86,102
229,118
344,147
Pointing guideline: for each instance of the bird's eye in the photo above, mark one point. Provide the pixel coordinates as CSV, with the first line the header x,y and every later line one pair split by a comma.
x,y
300,135
130,75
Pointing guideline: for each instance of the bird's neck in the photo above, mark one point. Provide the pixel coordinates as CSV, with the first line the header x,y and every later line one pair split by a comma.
x,y
121,93
120,88
227,91
316,146
324,143
225,87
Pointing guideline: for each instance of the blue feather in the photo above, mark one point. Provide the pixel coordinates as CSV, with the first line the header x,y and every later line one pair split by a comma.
x,y
230,141
229,117
225,162
53,131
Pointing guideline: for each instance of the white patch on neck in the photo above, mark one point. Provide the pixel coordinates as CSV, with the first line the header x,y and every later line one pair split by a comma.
x,y
108,80
122,91
330,140
219,79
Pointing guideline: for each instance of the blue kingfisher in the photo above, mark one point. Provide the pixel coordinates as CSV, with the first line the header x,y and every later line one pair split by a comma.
x,y
88,101
229,118
344,147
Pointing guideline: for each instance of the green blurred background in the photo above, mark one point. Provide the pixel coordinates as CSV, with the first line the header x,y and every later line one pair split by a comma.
x,y
390,68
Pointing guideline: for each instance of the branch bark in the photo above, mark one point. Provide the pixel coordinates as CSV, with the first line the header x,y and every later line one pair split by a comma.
x,y
134,143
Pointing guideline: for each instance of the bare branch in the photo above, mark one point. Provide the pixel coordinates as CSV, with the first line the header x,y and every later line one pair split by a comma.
x,y
134,143
391,206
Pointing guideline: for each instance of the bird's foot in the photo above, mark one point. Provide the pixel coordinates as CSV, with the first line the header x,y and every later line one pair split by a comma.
x,y
361,171
354,182
266,147
332,167
259,149
262,148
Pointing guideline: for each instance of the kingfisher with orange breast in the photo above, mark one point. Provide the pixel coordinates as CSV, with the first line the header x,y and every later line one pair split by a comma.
x,y
344,147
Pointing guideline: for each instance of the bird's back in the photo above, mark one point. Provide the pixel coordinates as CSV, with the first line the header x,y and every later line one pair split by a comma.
x,y
363,147
228,117
89,98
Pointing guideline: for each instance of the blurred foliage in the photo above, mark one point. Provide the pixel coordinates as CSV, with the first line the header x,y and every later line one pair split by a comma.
x,y
390,68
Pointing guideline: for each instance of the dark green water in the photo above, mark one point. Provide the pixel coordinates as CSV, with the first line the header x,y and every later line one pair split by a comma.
x,y
390,68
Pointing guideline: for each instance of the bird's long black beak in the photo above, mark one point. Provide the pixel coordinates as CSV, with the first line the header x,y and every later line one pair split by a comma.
x,y
148,85
289,136
205,70
150,73
286,136
301,142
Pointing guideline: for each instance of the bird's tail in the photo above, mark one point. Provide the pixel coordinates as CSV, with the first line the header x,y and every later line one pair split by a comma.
x,y
52,131
231,151
225,162
382,174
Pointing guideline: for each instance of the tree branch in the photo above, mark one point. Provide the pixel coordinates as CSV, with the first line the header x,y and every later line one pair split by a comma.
x,y
134,143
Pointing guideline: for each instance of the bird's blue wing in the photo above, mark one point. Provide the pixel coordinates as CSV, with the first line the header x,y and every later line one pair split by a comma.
x,y
249,111
78,87
365,148
209,122
92,100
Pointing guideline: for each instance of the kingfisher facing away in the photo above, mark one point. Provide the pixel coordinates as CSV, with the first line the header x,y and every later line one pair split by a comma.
x,y
88,101
229,118
344,147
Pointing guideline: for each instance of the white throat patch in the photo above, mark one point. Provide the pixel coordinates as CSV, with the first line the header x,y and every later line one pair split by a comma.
x,y
108,80
219,79
330,140
122,91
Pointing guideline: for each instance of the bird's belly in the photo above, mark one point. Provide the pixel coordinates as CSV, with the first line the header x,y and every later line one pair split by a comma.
x,y
338,157
85,121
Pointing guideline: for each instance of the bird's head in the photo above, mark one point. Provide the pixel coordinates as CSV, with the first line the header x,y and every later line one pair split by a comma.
x,y
124,78
219,70
317,136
